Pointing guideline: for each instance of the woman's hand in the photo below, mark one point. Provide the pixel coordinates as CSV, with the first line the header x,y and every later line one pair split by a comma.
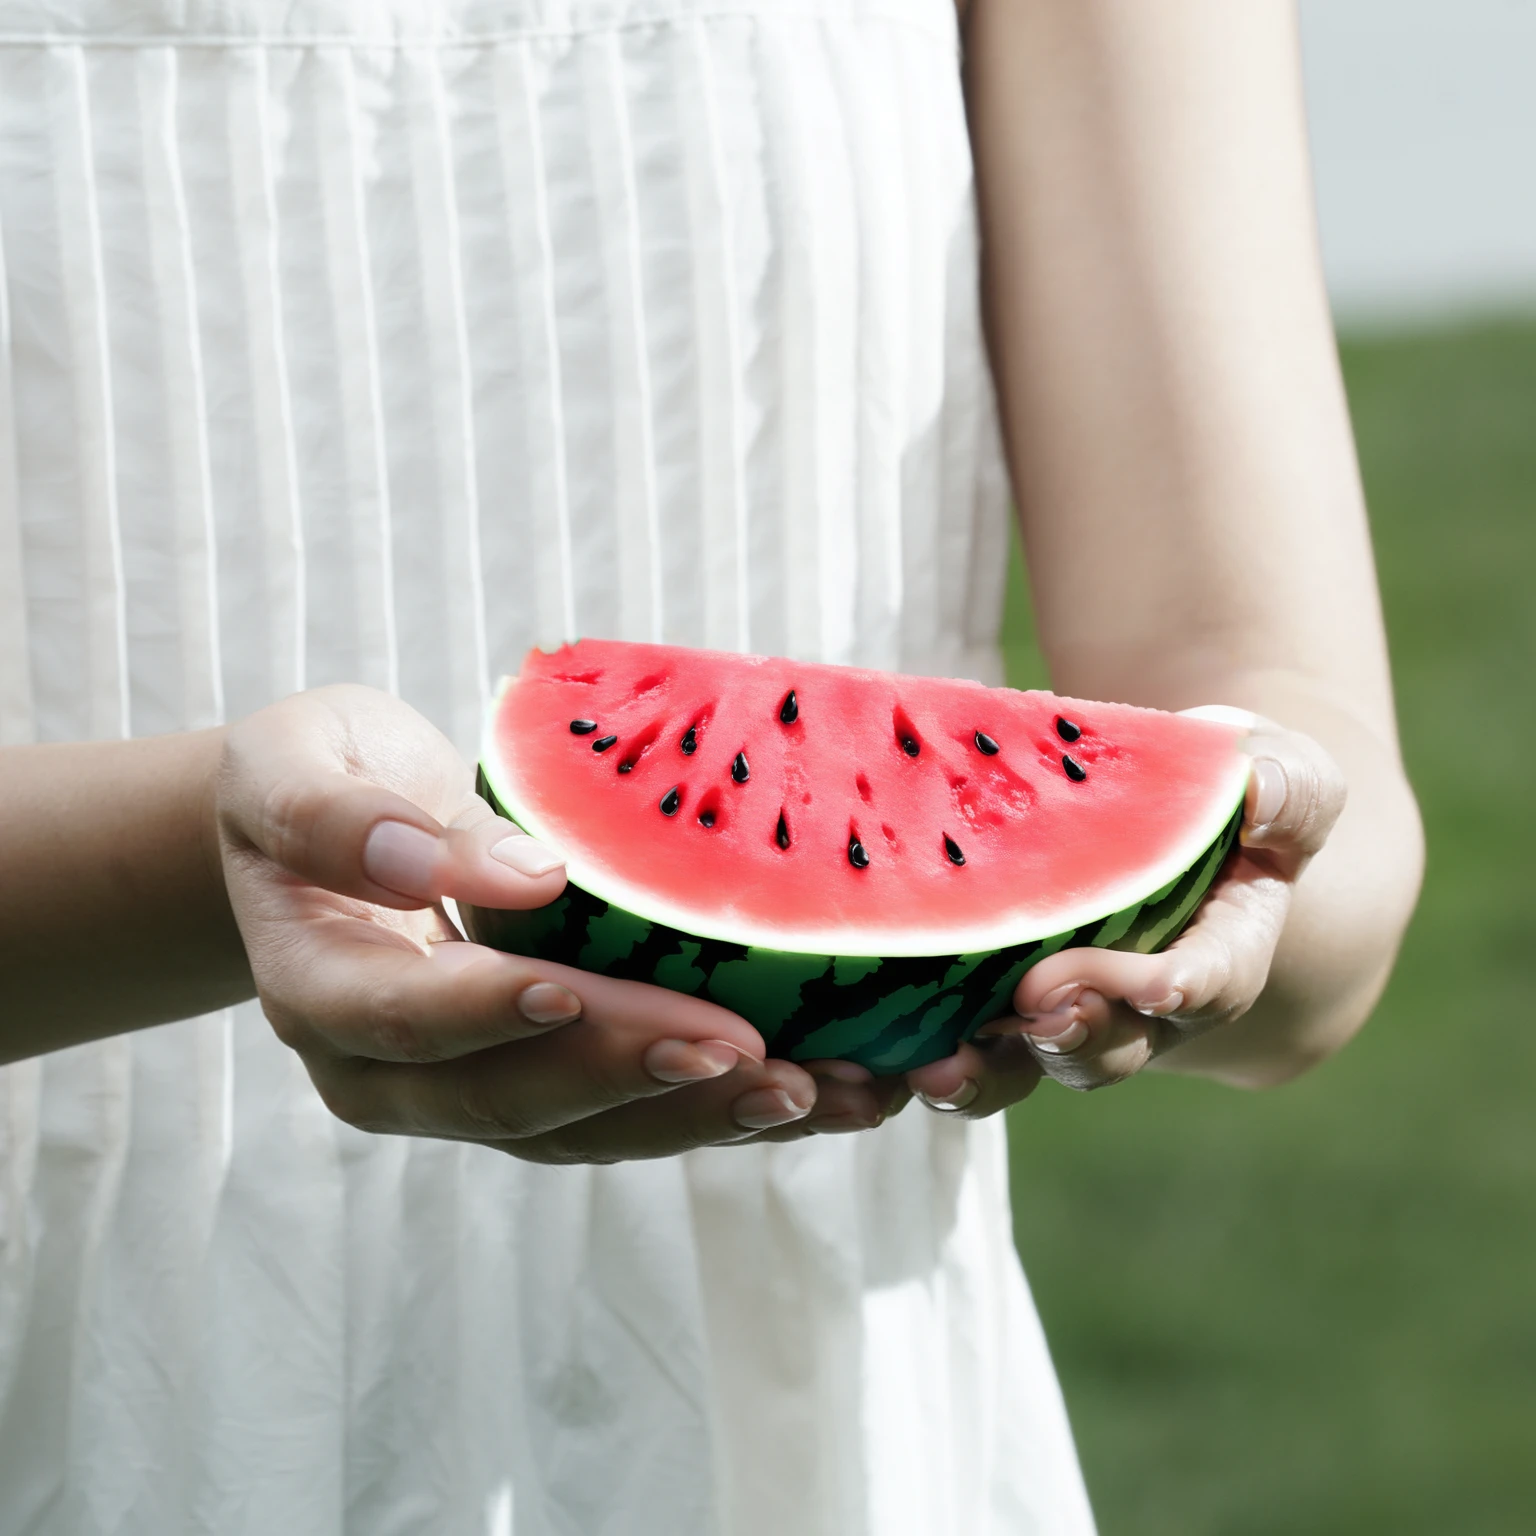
x,y
1090,1017
344,818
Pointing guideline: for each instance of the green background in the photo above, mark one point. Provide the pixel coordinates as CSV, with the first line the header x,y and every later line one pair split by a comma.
x,y
1314,1309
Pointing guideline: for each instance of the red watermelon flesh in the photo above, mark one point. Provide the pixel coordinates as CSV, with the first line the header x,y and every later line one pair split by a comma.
x,y
838,811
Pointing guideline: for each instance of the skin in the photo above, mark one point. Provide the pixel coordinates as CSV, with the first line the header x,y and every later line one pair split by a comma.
x,y
1195,530
1192,514
299,857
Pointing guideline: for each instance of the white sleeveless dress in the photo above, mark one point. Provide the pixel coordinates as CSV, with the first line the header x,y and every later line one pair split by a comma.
x,y
379,341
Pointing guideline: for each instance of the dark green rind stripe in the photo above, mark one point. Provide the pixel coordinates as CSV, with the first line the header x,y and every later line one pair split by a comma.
x,y
890,1015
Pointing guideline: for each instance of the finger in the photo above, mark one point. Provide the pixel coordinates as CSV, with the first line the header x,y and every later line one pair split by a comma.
x,y
1295,790
1105,1043
759,1101
1096,1016
1295,795
349,988
1219,962
979,1079
359,839
849,1098
580,1094
631,1041
1088,1043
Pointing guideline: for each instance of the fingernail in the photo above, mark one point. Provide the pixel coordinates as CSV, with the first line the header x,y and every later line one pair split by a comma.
x,y
948,1103
842,1125
527,855
1063,1042
690,1061
1170,1004
1062,997
1270,796
840,1071
401,858
764,1108
546,1002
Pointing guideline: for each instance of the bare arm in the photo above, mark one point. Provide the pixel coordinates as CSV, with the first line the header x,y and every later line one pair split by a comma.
x,y
1179,439
300,855
113,913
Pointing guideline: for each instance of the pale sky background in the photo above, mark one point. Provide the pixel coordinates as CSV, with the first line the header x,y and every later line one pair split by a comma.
x,y
1423,123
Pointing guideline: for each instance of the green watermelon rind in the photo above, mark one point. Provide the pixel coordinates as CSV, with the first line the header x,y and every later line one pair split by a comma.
x,y
889,1014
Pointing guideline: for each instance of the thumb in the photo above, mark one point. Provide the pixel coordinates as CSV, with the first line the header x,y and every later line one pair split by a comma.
x,y
1295,795
359,839
1296,791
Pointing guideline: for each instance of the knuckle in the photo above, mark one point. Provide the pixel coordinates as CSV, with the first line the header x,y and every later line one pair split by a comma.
x,y
288,1024
345,1094
608,1080
558,1151
1318,793
291,811
391,1032
1111,1073
488,1115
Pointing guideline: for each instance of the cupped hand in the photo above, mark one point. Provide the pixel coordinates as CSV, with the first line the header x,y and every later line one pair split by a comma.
x,y
1091,1017
344,819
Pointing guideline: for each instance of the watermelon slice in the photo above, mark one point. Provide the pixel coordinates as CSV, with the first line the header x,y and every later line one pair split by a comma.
x,y
862,865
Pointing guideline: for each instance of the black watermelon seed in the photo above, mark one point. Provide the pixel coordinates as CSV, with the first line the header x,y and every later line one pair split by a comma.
x,y
856,855
1075,770
706,818
739,770
984,743
782,835
952,848
690,742
909,746
583,727
1066,730
789,710
603,743
670,802
626,766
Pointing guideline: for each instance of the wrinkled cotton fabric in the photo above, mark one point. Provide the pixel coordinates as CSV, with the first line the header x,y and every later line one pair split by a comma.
x,y
378,343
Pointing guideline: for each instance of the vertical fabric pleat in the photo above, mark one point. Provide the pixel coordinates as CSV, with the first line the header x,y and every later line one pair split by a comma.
x,y
95,450
669,275
549,580
84,1104
190,484
636,530
581,325
923,510
447,357
722,507
273,456
870,105
20,1107
16,728
818,320
345,145
376,344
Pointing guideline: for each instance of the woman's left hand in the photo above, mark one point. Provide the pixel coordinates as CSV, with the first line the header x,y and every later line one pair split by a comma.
x,y
1091,1017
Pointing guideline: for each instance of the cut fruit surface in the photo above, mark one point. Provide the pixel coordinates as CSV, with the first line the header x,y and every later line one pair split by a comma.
x,y
841,818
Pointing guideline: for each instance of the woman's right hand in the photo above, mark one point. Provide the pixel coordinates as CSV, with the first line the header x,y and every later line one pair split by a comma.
x,y
344,817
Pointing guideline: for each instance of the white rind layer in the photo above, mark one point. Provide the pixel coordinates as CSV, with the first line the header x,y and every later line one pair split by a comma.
x,y
1018,927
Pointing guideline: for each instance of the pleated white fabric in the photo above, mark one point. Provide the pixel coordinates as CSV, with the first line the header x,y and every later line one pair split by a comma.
x,y
379,341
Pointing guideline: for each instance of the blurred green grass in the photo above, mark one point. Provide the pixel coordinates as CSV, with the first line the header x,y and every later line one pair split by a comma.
x,y
1314,1310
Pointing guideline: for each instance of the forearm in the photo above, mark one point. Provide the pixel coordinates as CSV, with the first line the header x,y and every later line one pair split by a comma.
x,y
1178,435
113,914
